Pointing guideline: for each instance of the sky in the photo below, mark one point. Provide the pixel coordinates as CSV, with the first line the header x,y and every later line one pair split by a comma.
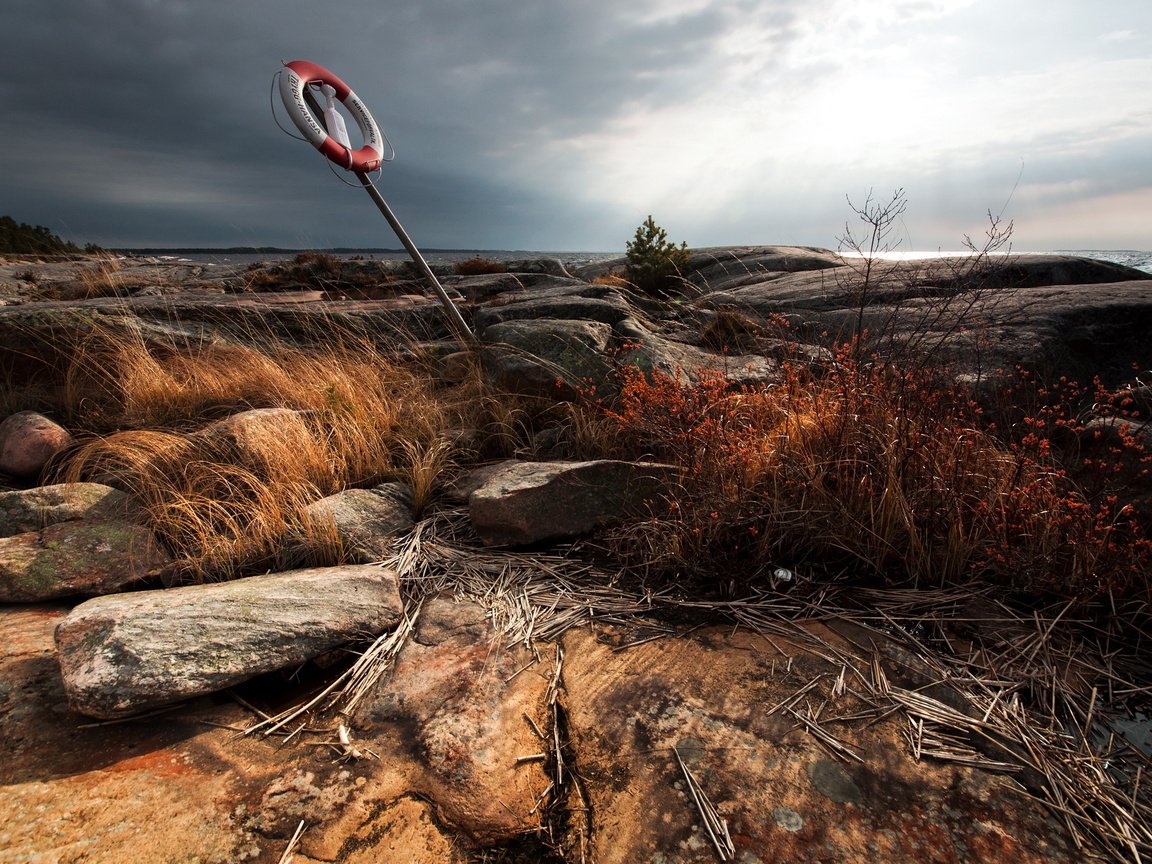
x,y
559,125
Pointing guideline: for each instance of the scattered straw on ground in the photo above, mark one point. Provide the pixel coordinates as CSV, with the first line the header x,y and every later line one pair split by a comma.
x,y
1047,698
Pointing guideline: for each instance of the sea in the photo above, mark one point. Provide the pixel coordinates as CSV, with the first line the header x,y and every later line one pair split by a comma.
x,y
233,258
1129,257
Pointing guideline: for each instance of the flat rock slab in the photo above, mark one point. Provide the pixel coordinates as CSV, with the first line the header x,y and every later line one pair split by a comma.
x,y
607,310
79,557
120,655
465,707
525,503
715,698
172,789
27,510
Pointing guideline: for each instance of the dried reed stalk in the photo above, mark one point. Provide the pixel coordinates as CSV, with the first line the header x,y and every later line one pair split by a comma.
x,y
1077,677
714,824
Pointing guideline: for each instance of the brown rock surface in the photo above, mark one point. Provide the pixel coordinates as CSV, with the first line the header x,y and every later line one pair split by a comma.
x,y
171,789
405,832
183,786
449,727
786,798
463,715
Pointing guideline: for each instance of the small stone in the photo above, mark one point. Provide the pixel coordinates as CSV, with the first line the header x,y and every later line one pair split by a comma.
x,y
833,782
365,520
788,819
535,502
28,440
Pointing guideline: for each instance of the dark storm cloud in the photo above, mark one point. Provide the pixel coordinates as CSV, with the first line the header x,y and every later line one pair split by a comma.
x,y
148,122
152,119
160,110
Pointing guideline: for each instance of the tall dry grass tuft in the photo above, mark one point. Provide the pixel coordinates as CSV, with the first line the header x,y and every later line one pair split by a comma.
x,y
422,467
227,496
118,379
220,518
105,279
612,280
478,266
499,424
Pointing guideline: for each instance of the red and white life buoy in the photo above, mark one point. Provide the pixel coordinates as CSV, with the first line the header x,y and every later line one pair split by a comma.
x,y
299,74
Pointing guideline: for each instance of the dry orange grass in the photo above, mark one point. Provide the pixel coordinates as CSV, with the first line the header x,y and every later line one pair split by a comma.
x,y
104,279
226,497
612,281
859,469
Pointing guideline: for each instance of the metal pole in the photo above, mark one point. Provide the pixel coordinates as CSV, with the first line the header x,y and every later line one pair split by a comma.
x,y
456,321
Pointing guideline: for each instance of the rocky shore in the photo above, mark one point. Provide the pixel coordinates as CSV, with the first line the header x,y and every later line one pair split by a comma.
x,y
512,702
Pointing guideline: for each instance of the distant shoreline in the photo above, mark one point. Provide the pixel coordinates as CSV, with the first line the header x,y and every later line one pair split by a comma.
x,y
1139,260
335,250
247,255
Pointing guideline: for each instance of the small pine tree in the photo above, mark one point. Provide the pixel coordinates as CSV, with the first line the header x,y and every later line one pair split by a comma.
x,y
653,260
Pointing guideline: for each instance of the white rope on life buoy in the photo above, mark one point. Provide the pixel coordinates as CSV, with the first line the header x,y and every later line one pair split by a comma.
x,y
299,74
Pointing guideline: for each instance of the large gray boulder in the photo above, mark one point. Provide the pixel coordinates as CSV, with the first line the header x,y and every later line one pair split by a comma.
x,y
547,357
545,266
654,354
724,268
25,510
1058,315
76,558
363,521
608,309
525,503
121,655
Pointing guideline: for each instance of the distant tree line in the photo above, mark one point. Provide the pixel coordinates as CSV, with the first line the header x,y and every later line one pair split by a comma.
x,y
23,239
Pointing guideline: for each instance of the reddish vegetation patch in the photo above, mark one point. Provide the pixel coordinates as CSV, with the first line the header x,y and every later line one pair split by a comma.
x,y
888,474
478,266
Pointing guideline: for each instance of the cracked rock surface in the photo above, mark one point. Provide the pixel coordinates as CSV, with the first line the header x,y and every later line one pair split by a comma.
x,y
462,764
786,796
